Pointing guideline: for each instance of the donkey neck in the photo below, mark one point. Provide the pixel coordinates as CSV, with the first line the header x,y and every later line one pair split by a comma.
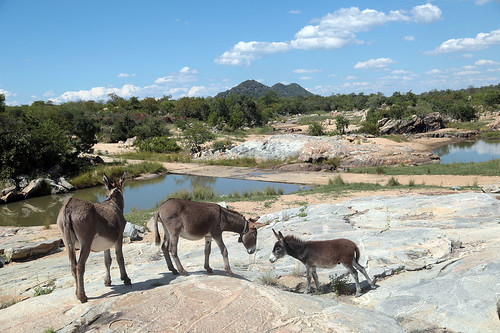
x,y
296,248
234,221
116,197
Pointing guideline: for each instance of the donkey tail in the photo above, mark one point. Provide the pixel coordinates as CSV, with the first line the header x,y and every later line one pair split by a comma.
x,y
69,232
356,254
155,228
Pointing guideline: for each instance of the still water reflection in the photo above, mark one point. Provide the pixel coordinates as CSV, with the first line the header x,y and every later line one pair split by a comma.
x,y
139,194
469,151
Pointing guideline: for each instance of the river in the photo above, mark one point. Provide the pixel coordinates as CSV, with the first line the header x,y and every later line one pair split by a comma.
x,y
138,195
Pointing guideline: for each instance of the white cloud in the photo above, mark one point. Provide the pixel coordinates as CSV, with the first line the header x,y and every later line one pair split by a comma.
x,y
374,63
486,63
434,71
125,75
467,73
197,91
49,93
351,77
295,12
482,2
247,52
400,71
333,31
306,71
6,93
481,41
176,84
426,14
186,74
409,38
305,78
332,75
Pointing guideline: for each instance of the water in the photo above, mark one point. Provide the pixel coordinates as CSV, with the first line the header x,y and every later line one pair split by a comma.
x,y
468,151
138,195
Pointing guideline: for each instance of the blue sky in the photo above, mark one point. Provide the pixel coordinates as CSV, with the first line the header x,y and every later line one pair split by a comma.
x,y
64,50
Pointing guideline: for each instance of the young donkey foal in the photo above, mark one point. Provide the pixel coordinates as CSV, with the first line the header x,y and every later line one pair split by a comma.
x,y
195,220
94,227
325,254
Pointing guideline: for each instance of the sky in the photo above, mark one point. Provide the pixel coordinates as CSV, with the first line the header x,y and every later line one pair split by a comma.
x,y
60,50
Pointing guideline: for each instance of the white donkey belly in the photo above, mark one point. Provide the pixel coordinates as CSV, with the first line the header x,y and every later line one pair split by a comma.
x,y
98,244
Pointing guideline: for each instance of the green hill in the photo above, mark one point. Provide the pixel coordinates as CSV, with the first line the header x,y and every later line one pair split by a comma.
x,y
256,89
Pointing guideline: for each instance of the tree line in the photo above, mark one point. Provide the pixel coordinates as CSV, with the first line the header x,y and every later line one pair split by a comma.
x,y
44,137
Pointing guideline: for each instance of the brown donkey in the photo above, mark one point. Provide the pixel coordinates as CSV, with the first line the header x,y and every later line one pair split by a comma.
x,y
195,220
325,254
94,227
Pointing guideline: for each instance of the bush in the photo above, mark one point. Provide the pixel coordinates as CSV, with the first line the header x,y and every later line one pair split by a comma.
x,y
316,129
161,144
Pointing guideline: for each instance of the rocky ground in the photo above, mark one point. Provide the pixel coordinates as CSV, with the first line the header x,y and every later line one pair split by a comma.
x,y
436,259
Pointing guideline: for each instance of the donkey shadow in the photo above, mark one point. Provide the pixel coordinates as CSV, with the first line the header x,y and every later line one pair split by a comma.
x,y
120,289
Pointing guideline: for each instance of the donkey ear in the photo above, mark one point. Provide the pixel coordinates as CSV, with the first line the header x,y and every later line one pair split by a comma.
x,y
281,237
275,234
122,179
255,225
106,181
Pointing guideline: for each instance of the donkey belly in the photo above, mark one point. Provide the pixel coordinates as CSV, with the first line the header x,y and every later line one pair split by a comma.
x,y
189,236
98,244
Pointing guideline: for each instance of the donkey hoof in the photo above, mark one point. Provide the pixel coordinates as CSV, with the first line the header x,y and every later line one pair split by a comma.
x,y
175,272
209,270
229,272
83,299
127,281
185,273
107,283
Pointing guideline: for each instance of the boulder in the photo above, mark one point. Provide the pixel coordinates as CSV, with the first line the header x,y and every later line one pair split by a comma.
x,y
34,188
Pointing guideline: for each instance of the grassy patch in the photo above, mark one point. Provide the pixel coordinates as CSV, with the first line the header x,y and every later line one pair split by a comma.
x,y
140,217
488,168
244,162
396,137
181,157
93,177
490,136
268,279
339,284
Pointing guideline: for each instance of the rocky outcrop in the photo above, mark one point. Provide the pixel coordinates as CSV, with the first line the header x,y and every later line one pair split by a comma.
x,y
415,124
314,149
37,187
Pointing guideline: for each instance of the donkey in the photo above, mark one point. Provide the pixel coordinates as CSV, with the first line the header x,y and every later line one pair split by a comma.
x,y
325,254
94,227
195,220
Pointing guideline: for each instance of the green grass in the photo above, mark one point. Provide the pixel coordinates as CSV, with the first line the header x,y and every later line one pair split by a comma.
x,y
490,136
469,125
150,156
244,162
93,177
488,168
140,217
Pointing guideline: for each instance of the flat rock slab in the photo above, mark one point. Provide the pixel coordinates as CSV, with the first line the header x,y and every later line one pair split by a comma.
x,y
436,258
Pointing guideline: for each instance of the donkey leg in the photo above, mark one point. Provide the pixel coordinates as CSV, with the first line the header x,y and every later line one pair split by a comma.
x,y
308,275
354,274
107,264
165,246
363,271
121,262
208,245
80,271
173,251
223,251
315,277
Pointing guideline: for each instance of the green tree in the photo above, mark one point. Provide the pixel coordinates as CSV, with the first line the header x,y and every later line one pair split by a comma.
x,y
342,123
196,135
2,103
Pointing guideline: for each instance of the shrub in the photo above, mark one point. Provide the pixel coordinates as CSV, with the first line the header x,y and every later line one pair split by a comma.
x,y
316,129
161,144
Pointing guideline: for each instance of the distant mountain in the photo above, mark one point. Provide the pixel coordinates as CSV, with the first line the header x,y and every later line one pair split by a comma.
x,y
256,89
